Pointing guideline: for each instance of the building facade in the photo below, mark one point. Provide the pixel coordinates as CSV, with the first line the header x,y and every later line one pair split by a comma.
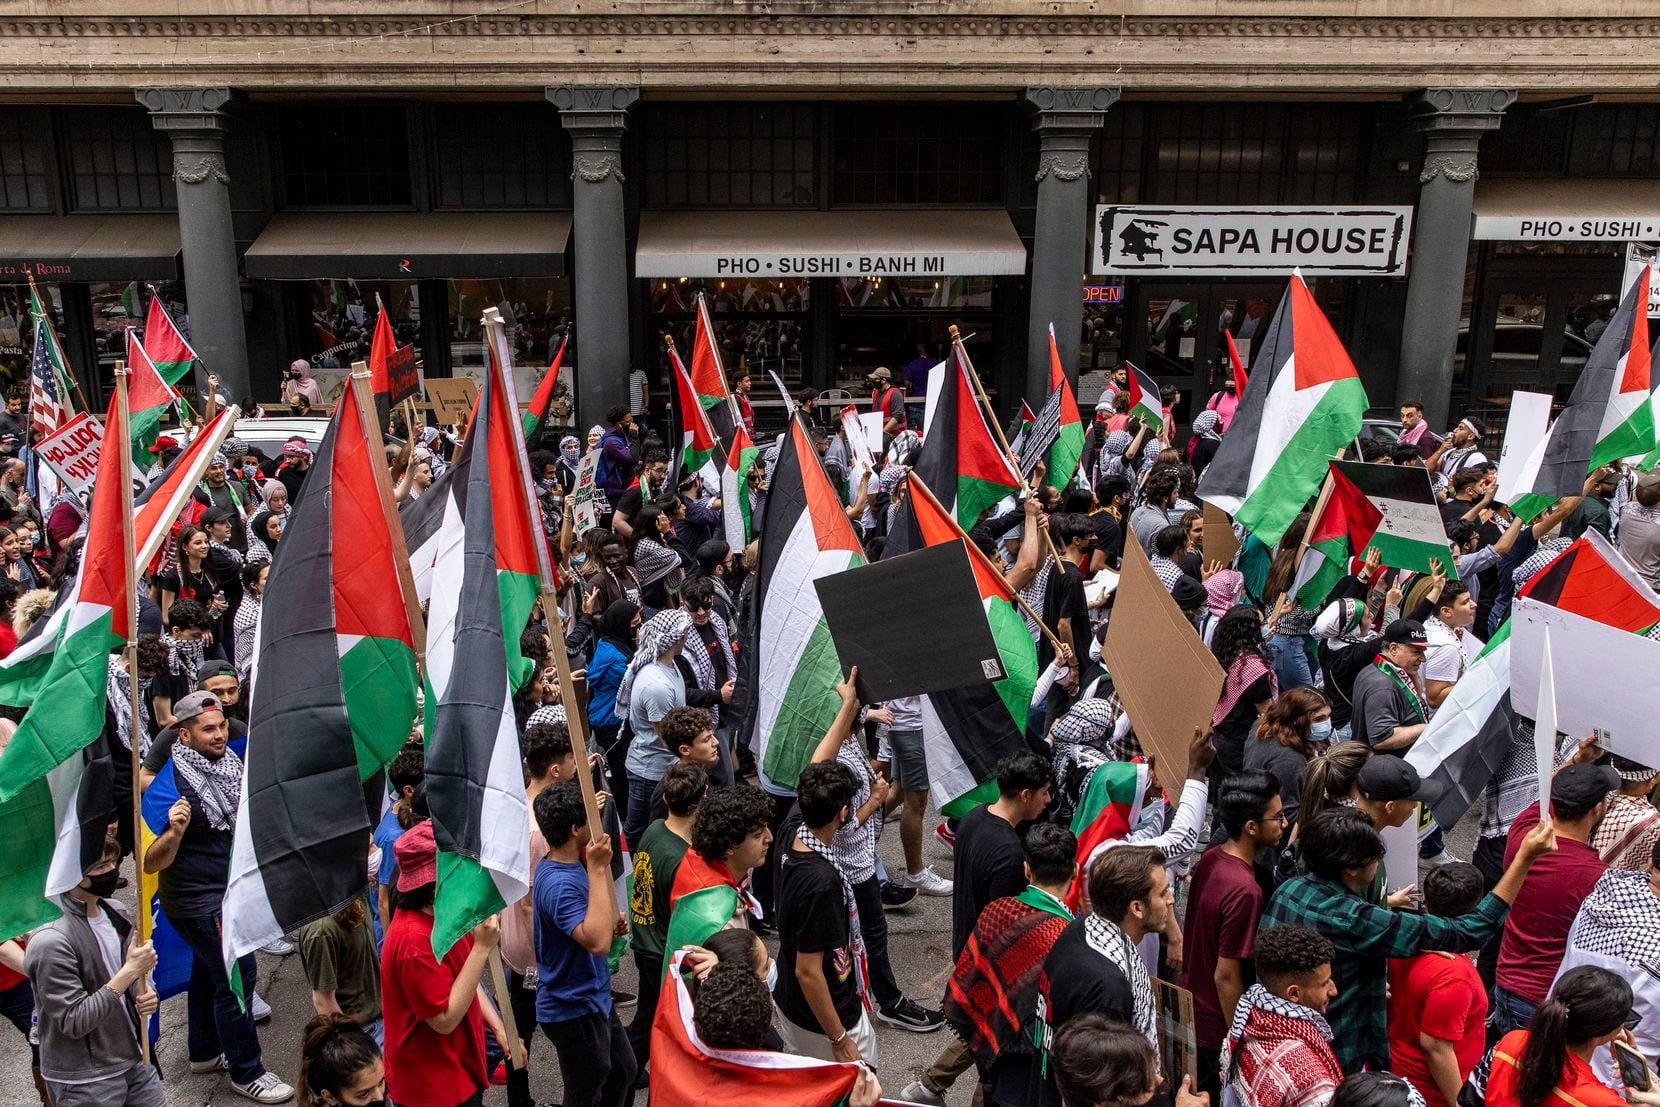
x,y
1462,184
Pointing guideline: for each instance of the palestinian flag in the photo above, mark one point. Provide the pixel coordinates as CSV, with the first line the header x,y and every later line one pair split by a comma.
x,y
704,899
422,519
709,376
1017,444
1108,808
148,396
381,348
966,731
157,508
1590,578
1386,507
1238,364
1068,449
961,459
543,397
701,1074
1609,415
805,535
697,437
50,834
1303,404
736,510
338,641
166,347
490,563
1146,401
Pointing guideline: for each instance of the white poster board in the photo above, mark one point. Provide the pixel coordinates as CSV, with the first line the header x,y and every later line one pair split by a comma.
x,y
871,423
585,516
1524,433
71,453
858,446
936,381
1614,697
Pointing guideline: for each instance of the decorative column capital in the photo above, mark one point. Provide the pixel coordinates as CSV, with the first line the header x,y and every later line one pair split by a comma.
x,y
596,116
1068,109
188,110
1453,121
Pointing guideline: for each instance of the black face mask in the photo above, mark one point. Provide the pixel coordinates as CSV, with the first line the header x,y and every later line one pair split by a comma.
x,y
104,884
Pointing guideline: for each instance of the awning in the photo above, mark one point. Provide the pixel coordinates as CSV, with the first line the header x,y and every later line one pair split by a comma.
x,y
382,245
90,247
890,242
1566,210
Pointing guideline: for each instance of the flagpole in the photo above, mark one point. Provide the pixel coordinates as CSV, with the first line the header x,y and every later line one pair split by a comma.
x,y
134,724
668,397
394,528
991,417
917,486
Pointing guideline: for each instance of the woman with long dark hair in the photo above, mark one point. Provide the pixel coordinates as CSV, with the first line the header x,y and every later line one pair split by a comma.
x,y
340,1065
1295,727
1247,689
1549,1063
657,565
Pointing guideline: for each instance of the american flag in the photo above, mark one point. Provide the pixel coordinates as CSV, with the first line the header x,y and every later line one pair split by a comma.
x,y
48,409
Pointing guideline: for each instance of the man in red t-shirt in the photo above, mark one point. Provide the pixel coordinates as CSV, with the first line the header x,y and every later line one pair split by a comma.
x,y
1224,904
1536,931
1437,1003
434,1044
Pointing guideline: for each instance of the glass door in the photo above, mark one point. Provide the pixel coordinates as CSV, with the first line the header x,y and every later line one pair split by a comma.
x,y
1180,325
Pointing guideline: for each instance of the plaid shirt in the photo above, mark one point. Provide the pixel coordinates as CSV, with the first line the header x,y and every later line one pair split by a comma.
x,y
1365,935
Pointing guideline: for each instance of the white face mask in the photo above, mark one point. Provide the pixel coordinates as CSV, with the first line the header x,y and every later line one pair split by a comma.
x,y
772,975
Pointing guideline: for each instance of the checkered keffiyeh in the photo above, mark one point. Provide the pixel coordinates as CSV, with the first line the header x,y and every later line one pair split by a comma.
x,y
1169,572
1278,1052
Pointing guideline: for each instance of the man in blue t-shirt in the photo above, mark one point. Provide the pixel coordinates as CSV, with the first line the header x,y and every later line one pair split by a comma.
x,y
576,918
405,774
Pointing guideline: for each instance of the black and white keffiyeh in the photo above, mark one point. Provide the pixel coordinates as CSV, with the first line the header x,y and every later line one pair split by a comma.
x,y
653,561
1111,942
663,630
184,656
1621,918
218,784
121,705
703,666
856,937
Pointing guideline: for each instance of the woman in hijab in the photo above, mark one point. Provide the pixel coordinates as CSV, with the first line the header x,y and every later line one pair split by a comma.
x,y
1207,438
1085,737
298,382
264,532
570,456
1111,463
614,645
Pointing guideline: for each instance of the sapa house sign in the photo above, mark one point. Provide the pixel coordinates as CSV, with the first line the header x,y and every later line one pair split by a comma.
x,y
1229,241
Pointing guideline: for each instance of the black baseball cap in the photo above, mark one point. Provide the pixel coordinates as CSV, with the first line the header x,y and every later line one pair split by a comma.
x,y
1582,785
1386,777
1405,632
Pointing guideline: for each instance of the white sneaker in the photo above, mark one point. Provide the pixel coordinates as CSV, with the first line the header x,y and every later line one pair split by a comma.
x,y
929,882
277,947
915,1092
267,1087
1445,857
215,1065
258,1008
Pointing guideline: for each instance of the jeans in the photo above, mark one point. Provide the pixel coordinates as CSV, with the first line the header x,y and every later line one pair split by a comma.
x,y
873,926
639,807
595,1060
645,1011
218,1023
1289,656
1510,1012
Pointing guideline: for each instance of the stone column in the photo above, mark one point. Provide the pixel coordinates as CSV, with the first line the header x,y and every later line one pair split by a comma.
x,y
596,118
196,119
1065,119
1453,121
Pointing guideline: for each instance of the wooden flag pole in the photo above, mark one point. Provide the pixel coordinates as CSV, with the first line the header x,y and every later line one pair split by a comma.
x,y
1319,506
917,485
394,527
991,417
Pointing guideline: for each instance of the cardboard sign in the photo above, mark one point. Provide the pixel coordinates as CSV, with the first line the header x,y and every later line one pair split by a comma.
x,y
582,500
452,398
1178,1046
1616,704
858,445
1220,544
913,624
403,379
71,452
1151,650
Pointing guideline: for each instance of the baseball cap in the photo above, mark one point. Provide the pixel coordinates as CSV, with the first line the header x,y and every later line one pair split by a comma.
x,y
216,515
164,442
1580,786
1406,632
1386,777
197,703
417,855
879,374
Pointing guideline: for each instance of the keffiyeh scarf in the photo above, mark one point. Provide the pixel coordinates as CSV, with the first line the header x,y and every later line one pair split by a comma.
x,y
1269,1019
653,561
1245,671
993,992
1111,462
1113,944
121,705
1204,425
703,666
855,936
1083,739
547,713
663,630
218,784
184,655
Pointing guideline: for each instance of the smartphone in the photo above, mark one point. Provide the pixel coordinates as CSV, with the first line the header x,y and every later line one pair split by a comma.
x,y
1633,1069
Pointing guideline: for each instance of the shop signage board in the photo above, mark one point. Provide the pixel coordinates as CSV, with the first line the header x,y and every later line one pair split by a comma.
x,y
1241,241
1550,225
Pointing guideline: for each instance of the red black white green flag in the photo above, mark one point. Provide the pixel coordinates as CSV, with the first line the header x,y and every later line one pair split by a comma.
x,y
1146,401
543,396
165,344
1389,508
697,437
1107,809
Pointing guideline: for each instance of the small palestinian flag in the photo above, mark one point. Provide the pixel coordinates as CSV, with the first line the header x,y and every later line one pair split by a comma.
x,y
543,396
704,899
1609,415
699,1073
1068,449
165,345
1146,401
1108,808
381,347
1384,507
337,651
697,437
966,731
736,509
708,376
148,396
1026,420
1303,404
805,535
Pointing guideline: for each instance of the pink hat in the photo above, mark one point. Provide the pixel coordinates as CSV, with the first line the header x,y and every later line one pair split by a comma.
x,y
1224,589
417,855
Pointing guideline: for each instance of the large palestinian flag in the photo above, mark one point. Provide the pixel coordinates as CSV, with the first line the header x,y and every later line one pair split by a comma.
x,y
966,731
148,396
696,436
490,563
336,643
699,1073
1068,449
165,345
56,777
1384,507
1609,415
961,458
157,508
1592,579
422,518
708,376
1146,400
1107,809
736,510
1302,405
805,535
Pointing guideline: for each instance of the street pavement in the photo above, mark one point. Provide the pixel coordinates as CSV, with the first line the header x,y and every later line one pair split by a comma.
x,y
919,937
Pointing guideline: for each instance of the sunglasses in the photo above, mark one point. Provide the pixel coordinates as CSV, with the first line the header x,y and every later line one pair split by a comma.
x,y
703,605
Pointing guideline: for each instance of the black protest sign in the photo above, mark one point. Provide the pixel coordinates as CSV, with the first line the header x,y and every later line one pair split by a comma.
x,y
1045,429
403,380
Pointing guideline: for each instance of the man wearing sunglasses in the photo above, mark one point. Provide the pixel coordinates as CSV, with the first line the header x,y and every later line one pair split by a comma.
x,y
709,667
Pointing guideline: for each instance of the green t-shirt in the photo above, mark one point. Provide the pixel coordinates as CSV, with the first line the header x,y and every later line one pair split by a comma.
x,y
343,962
656,860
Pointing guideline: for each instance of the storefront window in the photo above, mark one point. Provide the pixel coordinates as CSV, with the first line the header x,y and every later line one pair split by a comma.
x,y
729,155
345,155
117,306
117,161
761,325
500,156
343,325
25,154
915,293
917,154
537,311
1101,345
17,330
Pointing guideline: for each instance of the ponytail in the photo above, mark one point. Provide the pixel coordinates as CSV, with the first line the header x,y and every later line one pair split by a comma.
x,y
333,1052
1328,777
1586,1004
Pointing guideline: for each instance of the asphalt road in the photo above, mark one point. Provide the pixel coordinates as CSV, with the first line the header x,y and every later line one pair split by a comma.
x,y
919,943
